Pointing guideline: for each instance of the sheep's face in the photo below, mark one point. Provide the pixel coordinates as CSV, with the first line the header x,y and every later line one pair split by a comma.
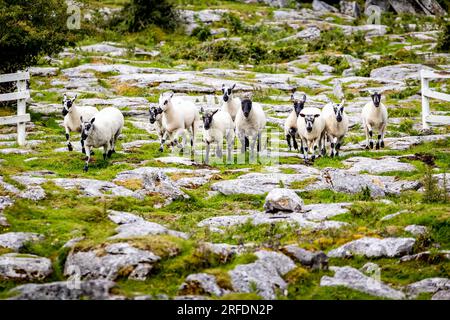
x,y
376,98
309,120
339,111
86,128
246,107
298,104
164,100
227,92
208,119
67,105
155,114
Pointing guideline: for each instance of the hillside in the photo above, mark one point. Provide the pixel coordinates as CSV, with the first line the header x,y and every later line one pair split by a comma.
x,y
372,224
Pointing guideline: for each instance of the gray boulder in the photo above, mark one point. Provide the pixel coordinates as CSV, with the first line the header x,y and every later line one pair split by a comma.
x,y
399,72
322,6
16,240
15,266
350,8
118,259
374,248
315,260
430,285
376,166
427,256
356,280
281,199
441,295
416,230
43,71
65,290
201,284
265,274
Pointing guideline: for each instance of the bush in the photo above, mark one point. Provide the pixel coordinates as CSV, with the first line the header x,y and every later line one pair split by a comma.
x,y
433,193
443,44
139,14
30,29
202,33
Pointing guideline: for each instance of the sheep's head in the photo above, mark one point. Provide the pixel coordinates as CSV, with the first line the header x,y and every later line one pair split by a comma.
x,y
227,92
376,98
338,109
299,104
208,118
67,104
309,120
86,128
155,114
246,106
165,99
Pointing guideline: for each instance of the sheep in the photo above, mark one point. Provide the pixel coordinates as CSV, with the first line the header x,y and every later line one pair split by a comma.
x,y
311,129
156,120
336,125
217,125
178,116
102,130
290,125
231,104
374,116
250,122
72,115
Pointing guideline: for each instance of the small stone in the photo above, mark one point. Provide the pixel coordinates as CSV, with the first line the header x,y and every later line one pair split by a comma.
x,y
201,284
416,230
316,260
285,200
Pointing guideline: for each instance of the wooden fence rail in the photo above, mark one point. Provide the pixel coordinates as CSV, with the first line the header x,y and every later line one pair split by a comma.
x,y
21,97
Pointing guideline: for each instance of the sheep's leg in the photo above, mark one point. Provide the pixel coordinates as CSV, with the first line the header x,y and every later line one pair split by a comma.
x,y
161,143
338,145
111,149
258,145
332,145
305,149
83,150
288,140
230,143
243,140
105,151
381,135
323,149
88,159
253,145
370,131
69,144
208,147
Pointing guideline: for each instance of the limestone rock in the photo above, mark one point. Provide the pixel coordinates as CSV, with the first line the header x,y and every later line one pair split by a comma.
x,y
376,166
430,285
265,274
65,290
374,248
201,284
118,259
354,279
416,230
15,266
315,260
322,6
16,240
285,200
441,295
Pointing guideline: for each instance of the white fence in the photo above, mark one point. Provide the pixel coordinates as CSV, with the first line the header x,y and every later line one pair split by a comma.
x,y
21,96
427,117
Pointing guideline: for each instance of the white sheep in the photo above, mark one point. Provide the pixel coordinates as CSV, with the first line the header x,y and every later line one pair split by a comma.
x,y
290,125
250,122
72,115
336,125
179,115
102,130
217,125
156,120
311,129
231,104
374,116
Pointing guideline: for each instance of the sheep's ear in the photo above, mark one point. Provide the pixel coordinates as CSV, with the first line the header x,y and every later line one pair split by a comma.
x,y
215,111
64,97
74,98
303,98
202,111
316,115
92,120
234,86
171,95
223,85
81,119
342,102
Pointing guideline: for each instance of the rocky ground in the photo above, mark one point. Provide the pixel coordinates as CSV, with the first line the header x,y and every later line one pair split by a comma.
x,y
152,225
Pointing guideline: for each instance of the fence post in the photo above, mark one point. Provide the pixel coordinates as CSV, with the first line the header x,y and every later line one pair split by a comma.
x,y
21,110
425,101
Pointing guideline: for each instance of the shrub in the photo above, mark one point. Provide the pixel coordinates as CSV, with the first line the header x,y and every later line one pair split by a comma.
x,y
433,193
443,44
139,14
202,33
30,29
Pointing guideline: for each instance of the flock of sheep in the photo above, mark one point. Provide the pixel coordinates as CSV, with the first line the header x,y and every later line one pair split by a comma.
x,y
175,116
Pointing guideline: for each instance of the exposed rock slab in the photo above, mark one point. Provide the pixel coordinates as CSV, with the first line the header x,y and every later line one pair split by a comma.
x,y
16,240
430,285
285,200
118,259
374,248
376,166
201,284
265,274
15,266
316,260
356,280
